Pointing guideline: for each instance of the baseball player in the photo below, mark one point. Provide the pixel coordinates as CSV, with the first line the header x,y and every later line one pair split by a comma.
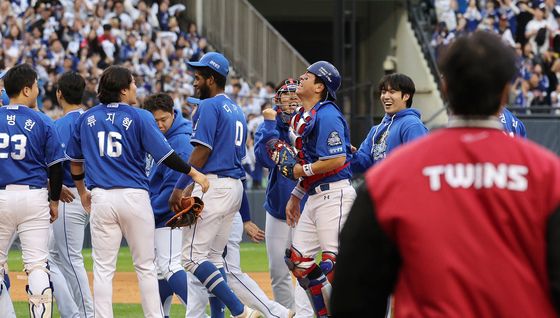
x,y
512,125
113,139
68,231
325,174
30,150
6,305
401,123
278,233
219,146
242,284
457,224
177,130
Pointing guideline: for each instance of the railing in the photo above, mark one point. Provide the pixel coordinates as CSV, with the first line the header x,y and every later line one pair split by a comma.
x,y
420,21
255,49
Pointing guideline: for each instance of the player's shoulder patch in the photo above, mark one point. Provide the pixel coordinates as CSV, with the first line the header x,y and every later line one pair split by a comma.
x,y
334,139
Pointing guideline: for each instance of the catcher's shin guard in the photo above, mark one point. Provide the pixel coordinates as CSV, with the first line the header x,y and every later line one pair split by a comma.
x,y
318,290
40,306
311,278
328,261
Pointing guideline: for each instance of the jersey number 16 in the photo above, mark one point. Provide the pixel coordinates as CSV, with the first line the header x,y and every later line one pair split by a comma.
x,y
114,147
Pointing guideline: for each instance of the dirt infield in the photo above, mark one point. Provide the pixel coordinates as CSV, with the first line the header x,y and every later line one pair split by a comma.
x,y
125,286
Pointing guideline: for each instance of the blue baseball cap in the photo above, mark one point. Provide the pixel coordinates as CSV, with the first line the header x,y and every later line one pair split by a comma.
x,y
215,61
192,100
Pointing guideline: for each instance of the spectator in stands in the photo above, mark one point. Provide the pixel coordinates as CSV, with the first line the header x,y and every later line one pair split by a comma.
x,y
537,30
473,16
505,32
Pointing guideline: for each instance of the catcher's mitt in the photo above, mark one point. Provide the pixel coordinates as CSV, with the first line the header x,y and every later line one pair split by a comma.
x,y
281,152
283,155
192,207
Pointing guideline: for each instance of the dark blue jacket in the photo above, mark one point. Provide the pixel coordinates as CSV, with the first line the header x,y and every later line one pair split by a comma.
x,y
279,187
162,178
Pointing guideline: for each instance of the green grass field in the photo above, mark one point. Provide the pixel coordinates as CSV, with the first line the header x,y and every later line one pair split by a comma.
x,y
253,259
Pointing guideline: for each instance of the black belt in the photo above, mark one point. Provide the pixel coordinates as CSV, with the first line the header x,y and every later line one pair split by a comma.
x,y
322,187
30,187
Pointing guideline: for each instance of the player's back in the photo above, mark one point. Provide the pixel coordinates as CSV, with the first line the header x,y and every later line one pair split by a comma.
x,y
29,144
473,236
222,127
113,140
64,126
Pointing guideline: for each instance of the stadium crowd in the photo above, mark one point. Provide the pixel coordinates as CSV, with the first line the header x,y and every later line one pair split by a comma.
x,y
531,27
145,36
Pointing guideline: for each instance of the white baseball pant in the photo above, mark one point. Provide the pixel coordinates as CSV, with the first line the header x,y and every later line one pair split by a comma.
x,y
244,286
61,292
198,298
168,251
26,211
115,213
278,238
6,306
66,252
207,239
322,219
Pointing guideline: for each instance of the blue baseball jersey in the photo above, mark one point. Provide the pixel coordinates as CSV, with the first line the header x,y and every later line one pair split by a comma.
x,y
222,127
113,140
64,126
279,188
29,144
162,178
512,125
328,138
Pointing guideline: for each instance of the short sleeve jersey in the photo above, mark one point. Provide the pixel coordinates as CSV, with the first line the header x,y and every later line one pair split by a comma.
x,y
64,127
114,139
221,126
29,144
329,138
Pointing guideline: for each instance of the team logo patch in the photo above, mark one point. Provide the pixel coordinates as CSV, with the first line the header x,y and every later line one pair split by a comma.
x,y
334,139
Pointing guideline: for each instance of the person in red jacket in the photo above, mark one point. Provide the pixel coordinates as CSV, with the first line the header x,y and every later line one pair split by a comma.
x,y
464,222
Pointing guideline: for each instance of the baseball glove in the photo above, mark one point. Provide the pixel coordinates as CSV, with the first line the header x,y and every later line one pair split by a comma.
x,y
192,207
281,152
283,155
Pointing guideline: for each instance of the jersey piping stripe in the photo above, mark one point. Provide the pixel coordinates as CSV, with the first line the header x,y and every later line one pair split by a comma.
x,y
202,143
73,159
333,156
340,208
165,157
56,161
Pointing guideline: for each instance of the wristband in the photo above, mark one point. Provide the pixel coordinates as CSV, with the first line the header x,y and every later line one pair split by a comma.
x,y
307,170
298,192
78,177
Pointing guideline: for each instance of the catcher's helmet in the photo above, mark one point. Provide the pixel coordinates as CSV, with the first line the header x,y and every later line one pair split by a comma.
x,y
328,74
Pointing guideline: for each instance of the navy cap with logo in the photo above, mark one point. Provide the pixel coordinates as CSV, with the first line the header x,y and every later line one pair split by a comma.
x,y
215,61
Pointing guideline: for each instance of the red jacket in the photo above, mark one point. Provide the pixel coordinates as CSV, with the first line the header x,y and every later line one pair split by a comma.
x,y
462,223
472,236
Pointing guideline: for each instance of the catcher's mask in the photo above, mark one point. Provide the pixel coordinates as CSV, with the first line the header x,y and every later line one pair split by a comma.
x,y
287,106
